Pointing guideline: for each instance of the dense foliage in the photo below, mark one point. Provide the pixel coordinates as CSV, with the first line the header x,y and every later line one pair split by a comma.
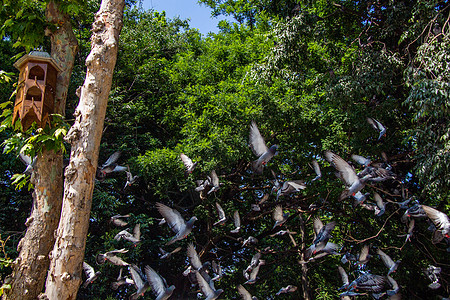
x,y
309,73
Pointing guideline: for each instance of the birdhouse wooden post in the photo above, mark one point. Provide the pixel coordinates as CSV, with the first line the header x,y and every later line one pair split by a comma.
x,y
35,99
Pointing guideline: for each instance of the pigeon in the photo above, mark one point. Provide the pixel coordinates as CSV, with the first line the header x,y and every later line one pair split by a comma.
x,y
381,206
368,283
202,184
257,207
256,260
403,204
118,222
245,294
237,222
440,220
344,278
190,166
135,238
112,258
207,289
348,257
290,187
140,282
377,126
329,249
222,217
130,178
279,216
91,275
364,256
217,269
394,287
121,281
29,163
322,235
166,254
259,148
316,168
110,166
158,284
289,289
410,230
214,182
175,222
359,200
432,272
194,260
250,240
347,174
388,262
253,276
415,211
361,160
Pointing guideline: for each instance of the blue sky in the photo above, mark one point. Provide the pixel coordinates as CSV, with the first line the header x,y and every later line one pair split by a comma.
x,y
199,15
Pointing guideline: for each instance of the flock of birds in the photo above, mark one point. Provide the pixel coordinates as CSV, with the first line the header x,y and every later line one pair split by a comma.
x,y
201,273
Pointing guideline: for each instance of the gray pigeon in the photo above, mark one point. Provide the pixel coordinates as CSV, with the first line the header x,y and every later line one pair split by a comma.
x,y
279,216
237,222
361,160
290,187
440,220
194,260
158,284
288,289
432,272
344,278
316,168
91,275
217,269
110,166
214,182
135,238
249,240
364,256
377,126
381,205
112,258
253,275
222,217
116,220
208,289
121,281
140,282
259,148
165,254
322,235
175,222
368,283
190,166
245,294
202,184
415,211
130,178
29,163
388,262
395,288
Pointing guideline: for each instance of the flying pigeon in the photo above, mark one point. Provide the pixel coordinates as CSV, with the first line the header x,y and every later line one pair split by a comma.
x,y
158,284
361,160
202,184
377,126
432,272
395,288
237,222
347,174
175,222
283,232
415,211
112,258
121,281
140,282
110,166
253,276
259,148
364,255
381,206
250,240
289,289
290,187
329,249
135,238
29,163
368,283
279,216
91,275
217,269
440,220
388,262
165,254
208,289
130,178
322,235
214,182
257,207
256,260
118,222
316,168
194,260
344,278
190,166
222,217
245,294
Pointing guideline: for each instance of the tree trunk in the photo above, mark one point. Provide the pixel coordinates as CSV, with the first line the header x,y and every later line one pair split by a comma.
x,y
67,256
304,276
30,268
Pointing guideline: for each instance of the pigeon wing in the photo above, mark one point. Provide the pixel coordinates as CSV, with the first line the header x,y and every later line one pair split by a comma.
x,y
204,286
257,143
90,272
137,232
136,276
278,214
344,275
194,259
155,280
439,218
186,161
244,293
317,226
388,262
172,216
220,211
112,159
347,173
237,219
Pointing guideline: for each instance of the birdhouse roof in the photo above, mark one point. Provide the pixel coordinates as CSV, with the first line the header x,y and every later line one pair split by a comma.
x,y
39,56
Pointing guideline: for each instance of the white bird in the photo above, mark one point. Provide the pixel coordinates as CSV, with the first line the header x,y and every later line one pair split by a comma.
x,y
158,284
140,282
222,217
190,166
130,178
176,222
237,222
259,148
90,274
377,126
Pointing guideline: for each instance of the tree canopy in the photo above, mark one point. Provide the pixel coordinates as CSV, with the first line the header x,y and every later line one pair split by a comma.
x,y
309,74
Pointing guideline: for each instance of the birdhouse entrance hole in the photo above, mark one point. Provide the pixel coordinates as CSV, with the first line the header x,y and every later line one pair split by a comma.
x,y
36,73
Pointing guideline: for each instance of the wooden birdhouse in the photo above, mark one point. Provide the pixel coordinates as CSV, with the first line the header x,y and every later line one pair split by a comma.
x,y
35,99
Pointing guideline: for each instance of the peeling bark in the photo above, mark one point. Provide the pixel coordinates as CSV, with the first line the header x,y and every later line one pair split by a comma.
x,y
66,258
30,267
